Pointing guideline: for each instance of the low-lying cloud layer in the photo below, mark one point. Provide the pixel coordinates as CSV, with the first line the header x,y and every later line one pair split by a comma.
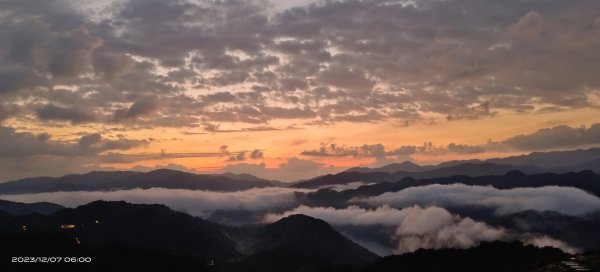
x,y
413,219
417,227
565,200
198,203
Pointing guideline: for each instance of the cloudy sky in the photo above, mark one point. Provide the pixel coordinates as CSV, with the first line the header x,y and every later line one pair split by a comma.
x,y
291,89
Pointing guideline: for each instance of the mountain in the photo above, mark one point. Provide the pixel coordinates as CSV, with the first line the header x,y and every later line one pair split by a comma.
x,y
118,180
394,167
301,243
553,161
18,208
248,177
493,257
466,169
151,227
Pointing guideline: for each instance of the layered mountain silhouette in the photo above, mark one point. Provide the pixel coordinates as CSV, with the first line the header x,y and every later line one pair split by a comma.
x,y
120,180
119,236
534,163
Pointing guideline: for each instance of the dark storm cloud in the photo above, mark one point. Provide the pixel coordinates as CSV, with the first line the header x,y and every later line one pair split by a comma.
x,y
21,145
74,115
144,106
330,61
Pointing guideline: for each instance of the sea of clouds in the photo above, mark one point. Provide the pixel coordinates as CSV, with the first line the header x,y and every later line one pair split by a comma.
x,y
565,200
418,217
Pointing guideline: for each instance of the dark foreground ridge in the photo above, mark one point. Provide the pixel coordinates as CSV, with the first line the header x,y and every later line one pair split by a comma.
x,y
119,236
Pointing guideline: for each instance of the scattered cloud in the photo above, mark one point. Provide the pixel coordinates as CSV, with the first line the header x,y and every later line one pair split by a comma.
x,y
321,62
554,138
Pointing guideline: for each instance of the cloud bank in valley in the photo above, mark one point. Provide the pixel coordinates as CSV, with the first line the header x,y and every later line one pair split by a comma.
x,y
198,203
565,200
418,227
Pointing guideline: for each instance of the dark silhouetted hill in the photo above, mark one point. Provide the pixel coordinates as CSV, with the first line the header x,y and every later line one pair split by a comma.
x,y
301,243
102,229
18,208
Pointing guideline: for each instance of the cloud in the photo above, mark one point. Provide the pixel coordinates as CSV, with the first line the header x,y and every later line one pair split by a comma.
x,y
23,153
436,228
74,115
380,152
344,187
17,144
144,106
366,150
71,53
546,241
325,62
565,200
554,138
417,227
558,137
197,203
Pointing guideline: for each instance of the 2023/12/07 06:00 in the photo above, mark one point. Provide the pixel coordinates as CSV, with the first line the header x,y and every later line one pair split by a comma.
x,y
51,259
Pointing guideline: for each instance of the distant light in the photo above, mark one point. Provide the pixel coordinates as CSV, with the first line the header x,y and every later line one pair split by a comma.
x,y
24,228
77,240
67,226
97,222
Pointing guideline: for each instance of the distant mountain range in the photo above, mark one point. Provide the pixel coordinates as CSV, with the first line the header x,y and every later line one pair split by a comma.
x,y
534,163
466,169
121,180
554,161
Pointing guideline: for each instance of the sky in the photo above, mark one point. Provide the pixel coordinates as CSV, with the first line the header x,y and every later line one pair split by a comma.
x,y
290,90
